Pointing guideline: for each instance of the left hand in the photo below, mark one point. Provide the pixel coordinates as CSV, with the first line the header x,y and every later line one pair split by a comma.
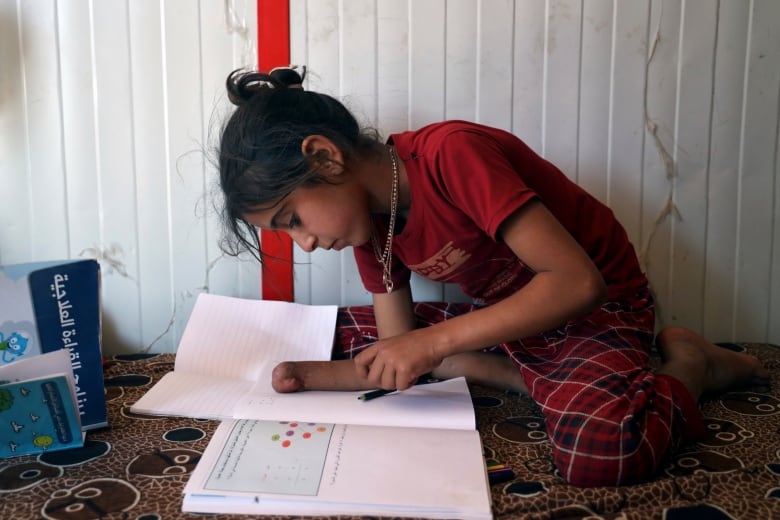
x,y
397,362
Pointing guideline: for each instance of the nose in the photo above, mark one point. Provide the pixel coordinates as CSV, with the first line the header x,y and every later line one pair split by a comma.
x,y
305,241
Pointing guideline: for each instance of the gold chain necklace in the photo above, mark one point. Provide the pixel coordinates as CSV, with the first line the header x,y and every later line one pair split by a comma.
x,y
385,257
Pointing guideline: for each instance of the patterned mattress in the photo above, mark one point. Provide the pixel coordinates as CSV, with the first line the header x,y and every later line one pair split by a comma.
x,y
137,468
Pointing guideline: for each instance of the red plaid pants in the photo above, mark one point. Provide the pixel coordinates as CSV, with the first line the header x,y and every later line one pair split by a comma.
x,y
610,418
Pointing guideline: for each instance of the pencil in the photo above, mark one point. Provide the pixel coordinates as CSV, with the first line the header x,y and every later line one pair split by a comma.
x,y
373,394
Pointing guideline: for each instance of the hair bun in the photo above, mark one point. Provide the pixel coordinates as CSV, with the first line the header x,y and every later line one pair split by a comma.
x,y
291,76
242,85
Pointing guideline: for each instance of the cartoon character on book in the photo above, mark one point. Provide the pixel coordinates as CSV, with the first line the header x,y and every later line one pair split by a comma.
x,y
14,347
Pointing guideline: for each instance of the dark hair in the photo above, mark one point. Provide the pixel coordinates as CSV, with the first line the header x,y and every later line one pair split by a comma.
x,y
260,157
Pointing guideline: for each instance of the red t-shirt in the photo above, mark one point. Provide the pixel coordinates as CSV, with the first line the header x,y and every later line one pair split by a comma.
x,y
465,179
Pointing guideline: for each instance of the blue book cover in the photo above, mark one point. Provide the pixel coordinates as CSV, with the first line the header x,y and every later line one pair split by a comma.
x,y
38,415
48,306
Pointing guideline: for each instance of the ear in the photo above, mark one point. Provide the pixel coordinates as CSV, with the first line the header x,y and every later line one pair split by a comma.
x,y
323,154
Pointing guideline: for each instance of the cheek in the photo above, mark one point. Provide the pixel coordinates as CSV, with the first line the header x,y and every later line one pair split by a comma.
x,y
350,225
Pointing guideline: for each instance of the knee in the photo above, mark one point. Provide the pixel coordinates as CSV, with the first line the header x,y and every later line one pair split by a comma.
x,y
615,456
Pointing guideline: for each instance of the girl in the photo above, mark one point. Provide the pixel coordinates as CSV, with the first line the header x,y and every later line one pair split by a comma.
x,y
556,282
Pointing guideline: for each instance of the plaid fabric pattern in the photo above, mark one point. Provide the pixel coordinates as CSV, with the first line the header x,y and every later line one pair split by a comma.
x,y
610,418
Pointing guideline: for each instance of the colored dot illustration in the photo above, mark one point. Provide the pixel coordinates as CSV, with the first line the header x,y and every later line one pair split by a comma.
x,y
286,434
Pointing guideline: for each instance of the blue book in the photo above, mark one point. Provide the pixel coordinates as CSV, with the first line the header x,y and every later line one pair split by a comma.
x,y
38,415
51,306
38,407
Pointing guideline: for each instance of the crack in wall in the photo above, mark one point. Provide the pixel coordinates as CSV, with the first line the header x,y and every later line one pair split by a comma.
x,y
669,208
109,257
189,293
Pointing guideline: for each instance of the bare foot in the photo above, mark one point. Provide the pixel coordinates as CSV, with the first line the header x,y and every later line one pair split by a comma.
x,y
493,370
703,367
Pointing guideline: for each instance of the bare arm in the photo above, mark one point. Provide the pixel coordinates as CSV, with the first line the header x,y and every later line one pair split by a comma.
x,y
567,284
394,315
394,312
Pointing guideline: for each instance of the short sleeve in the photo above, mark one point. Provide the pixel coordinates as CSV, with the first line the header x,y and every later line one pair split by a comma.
x,y
479,177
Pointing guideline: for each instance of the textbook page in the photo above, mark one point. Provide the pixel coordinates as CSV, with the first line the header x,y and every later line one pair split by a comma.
x,y
284,468
229,344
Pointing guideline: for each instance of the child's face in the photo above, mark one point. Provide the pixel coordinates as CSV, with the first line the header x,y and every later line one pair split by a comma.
x,y
328,216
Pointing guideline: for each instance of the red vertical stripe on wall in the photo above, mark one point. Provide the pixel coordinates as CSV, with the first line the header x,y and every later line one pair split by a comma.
x,y
273,50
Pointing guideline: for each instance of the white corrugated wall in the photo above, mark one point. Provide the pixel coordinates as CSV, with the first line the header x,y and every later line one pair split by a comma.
x,y
667,110
106,108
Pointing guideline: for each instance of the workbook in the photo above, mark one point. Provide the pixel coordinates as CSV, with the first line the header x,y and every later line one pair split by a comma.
x,y
414,453
38,406
51,306
311,468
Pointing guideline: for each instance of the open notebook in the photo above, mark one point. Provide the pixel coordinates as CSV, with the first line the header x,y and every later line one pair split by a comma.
x,y
230,347
411,453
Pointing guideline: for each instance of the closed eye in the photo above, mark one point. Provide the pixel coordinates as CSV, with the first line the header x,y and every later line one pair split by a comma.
x,y
294,221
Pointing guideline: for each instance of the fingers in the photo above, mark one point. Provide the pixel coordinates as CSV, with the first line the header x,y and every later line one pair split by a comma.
x,y
364,360
405,383
386,368
374,371
386,376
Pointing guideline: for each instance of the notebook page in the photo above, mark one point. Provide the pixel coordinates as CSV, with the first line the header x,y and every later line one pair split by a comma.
x,y
190,395
244,339
446,404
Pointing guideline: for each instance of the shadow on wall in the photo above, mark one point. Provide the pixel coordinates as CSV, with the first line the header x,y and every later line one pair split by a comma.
x,y
10,87
111,341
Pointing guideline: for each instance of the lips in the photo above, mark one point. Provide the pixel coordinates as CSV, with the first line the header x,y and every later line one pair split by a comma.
x,y
336,245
